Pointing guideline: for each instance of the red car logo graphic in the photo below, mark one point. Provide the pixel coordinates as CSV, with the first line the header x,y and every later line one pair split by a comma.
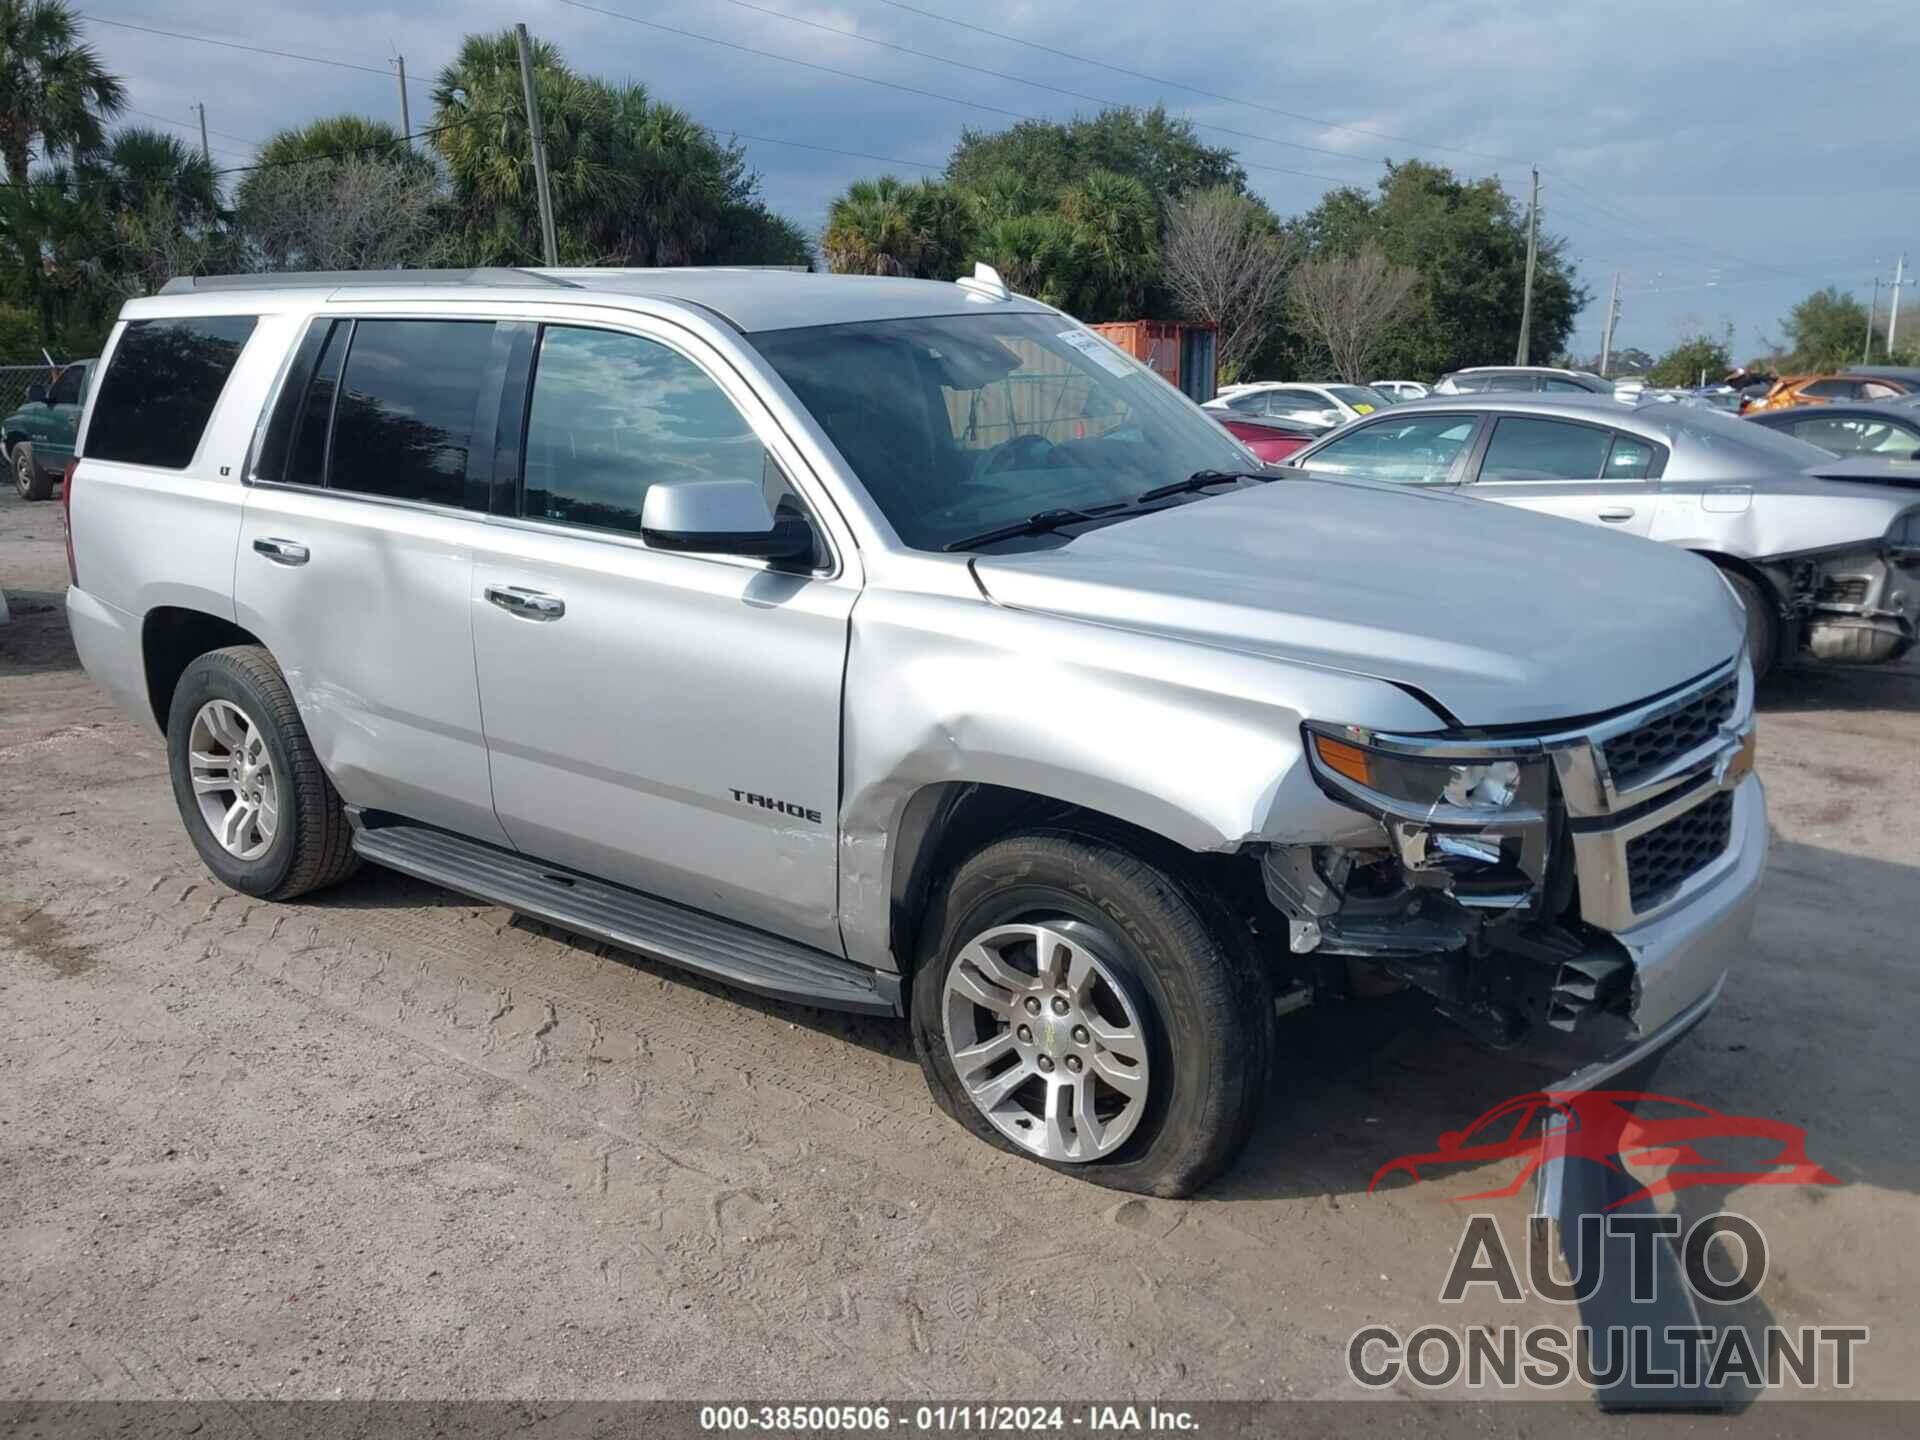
x,y
1613,1127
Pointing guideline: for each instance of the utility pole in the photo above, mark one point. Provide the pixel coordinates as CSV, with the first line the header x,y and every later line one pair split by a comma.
x,y
536,137
1526,298
1613,314
1893,315
206,150
1866,350
406,121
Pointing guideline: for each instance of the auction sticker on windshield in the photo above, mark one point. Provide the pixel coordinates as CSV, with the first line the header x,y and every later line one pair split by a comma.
x,y
1098,351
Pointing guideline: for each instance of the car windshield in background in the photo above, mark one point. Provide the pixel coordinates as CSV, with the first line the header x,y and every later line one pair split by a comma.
x,y
1360,397
959,424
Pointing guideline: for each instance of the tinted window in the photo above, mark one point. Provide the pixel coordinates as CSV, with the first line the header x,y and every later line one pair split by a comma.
x,y
161,387
1408,452
1295,402
1253,402
1359,397
1553,384
307,465
1829,389
1524,449
614,414
1858,437
404,421
67,389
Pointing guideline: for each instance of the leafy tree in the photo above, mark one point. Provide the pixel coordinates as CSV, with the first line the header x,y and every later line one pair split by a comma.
x,y
1156,149
1467,241
1629,360
1681,366
920,229
19,336
54,94
361,212
1827,330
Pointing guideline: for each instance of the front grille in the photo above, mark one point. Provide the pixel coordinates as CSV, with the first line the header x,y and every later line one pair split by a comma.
x,y
1685,725
1661,860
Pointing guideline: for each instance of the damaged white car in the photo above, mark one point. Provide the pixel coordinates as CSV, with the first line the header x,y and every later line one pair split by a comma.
x,y
1823,553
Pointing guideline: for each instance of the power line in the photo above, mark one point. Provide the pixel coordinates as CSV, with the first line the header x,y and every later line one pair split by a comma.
x,y
1197,90
1037,84
885,84
169,120
236,45
395,143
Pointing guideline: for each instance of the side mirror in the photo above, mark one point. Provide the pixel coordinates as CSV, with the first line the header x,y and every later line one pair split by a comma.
x,y
36,394
721,517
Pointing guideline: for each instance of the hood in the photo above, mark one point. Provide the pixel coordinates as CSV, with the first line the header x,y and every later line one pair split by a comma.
x,y
1502,616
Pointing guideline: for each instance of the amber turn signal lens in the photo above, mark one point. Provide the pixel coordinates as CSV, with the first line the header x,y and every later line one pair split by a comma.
x,y
1342,758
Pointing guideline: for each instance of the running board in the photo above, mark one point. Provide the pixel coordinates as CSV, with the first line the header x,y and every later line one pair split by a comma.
x,y
705,944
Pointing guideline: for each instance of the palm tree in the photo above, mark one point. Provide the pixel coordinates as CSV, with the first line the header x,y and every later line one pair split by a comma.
x,y
54,94
1035,255
890,227
1116,232
139,167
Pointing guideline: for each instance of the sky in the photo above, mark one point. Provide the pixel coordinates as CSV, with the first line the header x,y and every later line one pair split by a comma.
x,y
1723,160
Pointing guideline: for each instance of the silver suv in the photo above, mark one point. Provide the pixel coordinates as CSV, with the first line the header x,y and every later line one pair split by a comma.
x,y
906,648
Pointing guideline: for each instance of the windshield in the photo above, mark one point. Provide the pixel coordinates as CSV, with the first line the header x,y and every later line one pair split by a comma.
x,y
1361,397
957,424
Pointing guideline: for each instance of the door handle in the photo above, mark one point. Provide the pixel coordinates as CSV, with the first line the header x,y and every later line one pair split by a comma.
x,y
1615,516
282,552
527,604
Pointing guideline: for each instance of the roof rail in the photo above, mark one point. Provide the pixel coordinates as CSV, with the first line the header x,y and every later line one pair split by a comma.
x,y
340,279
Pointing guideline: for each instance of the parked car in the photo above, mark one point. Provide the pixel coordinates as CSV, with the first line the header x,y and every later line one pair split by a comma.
x,y
903,647
1399,389
1883,429
38,437
1269,437
1322,405
1794,390
1823,559
1480,378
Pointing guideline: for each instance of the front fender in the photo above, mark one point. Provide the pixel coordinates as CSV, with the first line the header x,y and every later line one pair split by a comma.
x,y
1197,744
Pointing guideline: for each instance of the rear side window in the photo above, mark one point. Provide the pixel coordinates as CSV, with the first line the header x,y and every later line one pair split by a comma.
x,y
1527,449
161,387
405,416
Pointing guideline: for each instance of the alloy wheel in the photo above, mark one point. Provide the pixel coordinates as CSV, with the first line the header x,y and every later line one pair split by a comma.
x,y
233,779
1046,1041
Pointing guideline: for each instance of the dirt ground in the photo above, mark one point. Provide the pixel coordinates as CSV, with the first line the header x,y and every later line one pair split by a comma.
x,y
391,1143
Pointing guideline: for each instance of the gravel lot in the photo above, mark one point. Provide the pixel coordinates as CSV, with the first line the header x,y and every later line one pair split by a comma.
x,y
390,1143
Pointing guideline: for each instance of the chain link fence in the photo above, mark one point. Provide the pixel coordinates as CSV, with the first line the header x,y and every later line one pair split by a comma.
x,y
14,380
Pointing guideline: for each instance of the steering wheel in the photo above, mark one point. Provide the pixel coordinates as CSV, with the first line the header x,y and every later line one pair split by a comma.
x,y
1014,454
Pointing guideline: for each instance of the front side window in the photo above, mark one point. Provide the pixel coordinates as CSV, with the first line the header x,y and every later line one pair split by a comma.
x,y
614,414
68,389
1829,390
957,424
1419,451
160,388
404,420
1528,449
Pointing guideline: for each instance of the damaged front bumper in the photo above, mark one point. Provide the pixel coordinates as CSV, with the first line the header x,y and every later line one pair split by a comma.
x,y
1591,924
1856,607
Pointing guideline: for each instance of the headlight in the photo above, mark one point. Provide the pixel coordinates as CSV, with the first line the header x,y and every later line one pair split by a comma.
x,y
1458,788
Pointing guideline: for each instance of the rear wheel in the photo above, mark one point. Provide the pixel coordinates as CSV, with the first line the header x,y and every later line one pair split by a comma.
x,y
260,810
29,479
1075,1004
1763,622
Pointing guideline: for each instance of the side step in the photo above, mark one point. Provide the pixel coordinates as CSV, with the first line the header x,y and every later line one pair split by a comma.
x,y
735,954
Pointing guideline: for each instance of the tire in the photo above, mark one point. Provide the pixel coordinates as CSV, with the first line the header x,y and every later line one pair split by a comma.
x,y
1203,1005
1763,622
29,479
311,842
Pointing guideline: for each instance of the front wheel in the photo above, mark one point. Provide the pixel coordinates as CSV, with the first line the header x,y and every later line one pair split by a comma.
x,y
1077,1004
29,479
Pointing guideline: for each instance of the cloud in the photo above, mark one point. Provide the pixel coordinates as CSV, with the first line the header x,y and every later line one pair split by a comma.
x,y
1750,156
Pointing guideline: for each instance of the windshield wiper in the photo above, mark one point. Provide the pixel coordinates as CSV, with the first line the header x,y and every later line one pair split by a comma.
x,y
1199,480
1042,523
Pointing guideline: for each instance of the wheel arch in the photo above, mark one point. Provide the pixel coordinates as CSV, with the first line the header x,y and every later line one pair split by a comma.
x,y
171,638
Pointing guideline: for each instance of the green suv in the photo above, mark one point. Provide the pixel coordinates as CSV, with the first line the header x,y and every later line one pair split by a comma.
x,y
39,435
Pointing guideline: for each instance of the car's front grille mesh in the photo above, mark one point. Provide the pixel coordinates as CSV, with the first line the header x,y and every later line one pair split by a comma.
x,y
1661,860
1685,725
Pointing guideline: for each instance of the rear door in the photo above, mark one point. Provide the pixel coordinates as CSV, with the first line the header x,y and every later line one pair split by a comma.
x,y
356,557
1575,469
667,721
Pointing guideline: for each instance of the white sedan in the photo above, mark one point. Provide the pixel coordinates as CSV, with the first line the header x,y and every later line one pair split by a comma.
x,y
1322,406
